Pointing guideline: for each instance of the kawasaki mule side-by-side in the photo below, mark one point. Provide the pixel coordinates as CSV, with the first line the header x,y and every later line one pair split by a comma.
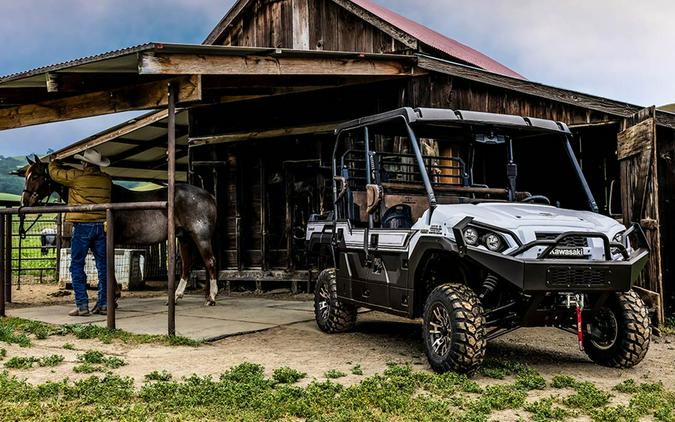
x,y
479,224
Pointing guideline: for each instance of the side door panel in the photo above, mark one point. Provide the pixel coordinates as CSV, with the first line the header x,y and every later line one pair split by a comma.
x,y
389,250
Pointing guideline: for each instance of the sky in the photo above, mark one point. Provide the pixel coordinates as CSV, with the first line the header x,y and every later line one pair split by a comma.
x,y
619,49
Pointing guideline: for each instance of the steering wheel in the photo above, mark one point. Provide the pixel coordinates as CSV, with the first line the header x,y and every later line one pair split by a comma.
x,y
537,199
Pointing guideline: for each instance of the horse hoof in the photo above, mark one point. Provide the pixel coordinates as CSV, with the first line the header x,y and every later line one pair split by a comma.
x,y
210,303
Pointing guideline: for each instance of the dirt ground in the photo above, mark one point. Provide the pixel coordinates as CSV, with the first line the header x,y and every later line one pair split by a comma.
x,y
378,340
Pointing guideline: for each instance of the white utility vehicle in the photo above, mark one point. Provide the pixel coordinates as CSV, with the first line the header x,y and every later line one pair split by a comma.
x,y
433,218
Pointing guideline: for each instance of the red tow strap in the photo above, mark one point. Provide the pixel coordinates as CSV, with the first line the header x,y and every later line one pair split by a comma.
x,y
580,335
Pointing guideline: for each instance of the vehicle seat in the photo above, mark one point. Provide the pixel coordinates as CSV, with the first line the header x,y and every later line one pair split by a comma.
x,y
397,217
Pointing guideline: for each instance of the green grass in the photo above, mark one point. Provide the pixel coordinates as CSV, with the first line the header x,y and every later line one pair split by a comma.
x,y
21,331
9,197
244,393
357,370
26,362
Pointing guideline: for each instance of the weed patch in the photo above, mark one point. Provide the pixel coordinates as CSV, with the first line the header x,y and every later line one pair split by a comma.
x,y
334,373
546,410
26,362
158,376
356,370
286,375
91,358
563,381
587,397
18,331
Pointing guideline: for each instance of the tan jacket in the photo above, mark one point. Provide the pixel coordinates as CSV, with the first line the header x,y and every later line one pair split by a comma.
x,y
88,186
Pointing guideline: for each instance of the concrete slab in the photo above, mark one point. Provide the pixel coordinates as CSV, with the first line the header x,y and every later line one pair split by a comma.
x,y
188,326
230,316
262,315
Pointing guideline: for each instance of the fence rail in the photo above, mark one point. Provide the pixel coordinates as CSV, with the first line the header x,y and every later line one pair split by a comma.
x,y
6,246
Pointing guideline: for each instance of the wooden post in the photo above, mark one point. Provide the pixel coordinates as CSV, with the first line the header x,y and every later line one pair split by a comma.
x,y
59,234
110,281
263,215
3,258
289,218
8,258
238,204
171,222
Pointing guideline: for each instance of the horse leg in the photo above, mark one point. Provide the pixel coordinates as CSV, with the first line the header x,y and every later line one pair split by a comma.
x,y
210,289
186,258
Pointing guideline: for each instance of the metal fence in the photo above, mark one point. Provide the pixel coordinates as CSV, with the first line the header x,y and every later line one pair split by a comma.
x,y
36,251
41,253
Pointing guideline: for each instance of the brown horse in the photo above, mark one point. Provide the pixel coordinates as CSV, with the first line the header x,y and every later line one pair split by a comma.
x,y
195,213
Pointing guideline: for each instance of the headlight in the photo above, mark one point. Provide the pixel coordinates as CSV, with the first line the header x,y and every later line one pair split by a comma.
x,y
480,236
471,236
493,242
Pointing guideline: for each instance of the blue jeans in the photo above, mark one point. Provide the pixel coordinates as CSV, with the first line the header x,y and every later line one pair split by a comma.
x,y
88,236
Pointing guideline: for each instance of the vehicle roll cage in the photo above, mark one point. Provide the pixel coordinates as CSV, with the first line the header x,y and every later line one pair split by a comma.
x,y
451,118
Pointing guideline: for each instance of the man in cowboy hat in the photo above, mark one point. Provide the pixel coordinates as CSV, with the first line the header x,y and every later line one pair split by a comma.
x,y
87,186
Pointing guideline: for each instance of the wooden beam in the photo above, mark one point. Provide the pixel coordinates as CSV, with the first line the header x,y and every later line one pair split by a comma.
x,y
138,97
189,64
384,26
271,133
125,130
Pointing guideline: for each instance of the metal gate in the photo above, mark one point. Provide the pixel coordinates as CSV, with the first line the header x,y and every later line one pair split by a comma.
x,y
36,253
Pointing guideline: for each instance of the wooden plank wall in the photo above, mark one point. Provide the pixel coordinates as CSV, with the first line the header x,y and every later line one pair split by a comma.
x,y
307,25
666,174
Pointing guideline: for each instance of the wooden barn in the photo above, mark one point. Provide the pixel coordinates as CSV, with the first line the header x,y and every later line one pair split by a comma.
x,y
260,98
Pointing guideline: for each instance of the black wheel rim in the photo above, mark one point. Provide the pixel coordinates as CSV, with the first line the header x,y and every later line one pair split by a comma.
x,y
604,330
323,303
439,330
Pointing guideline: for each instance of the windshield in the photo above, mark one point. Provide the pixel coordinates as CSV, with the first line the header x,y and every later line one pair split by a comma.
x,y
464,165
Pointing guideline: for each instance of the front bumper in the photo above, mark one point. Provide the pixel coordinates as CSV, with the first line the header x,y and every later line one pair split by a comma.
x,y
551,274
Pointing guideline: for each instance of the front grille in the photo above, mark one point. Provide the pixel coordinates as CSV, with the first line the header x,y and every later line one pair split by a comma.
x,y
570,242
565,276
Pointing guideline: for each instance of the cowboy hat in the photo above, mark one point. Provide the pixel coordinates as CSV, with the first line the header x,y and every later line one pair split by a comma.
x,y
92,156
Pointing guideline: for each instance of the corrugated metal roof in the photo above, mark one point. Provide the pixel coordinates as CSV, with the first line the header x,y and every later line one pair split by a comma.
x,y
436,40
115,61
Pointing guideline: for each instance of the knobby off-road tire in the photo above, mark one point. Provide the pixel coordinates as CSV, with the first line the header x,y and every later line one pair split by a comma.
x,y
331,314
625,322
453,332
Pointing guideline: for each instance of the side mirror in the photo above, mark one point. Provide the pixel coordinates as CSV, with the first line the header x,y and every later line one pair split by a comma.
x,y
374,194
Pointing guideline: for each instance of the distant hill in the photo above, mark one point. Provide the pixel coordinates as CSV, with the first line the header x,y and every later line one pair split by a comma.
x,y
668,107
10,183
11,186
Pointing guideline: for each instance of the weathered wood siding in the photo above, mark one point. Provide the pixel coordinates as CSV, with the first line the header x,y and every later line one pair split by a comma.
x,y
307,25
666,179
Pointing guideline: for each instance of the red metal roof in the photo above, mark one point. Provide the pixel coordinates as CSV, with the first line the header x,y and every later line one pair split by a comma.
x,y
436,40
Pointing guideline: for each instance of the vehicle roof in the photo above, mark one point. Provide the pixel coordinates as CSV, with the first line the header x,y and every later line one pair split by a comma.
x,y
441,116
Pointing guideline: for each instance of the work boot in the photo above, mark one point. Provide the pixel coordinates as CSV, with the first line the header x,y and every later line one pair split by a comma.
x,y
100,310
79,312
